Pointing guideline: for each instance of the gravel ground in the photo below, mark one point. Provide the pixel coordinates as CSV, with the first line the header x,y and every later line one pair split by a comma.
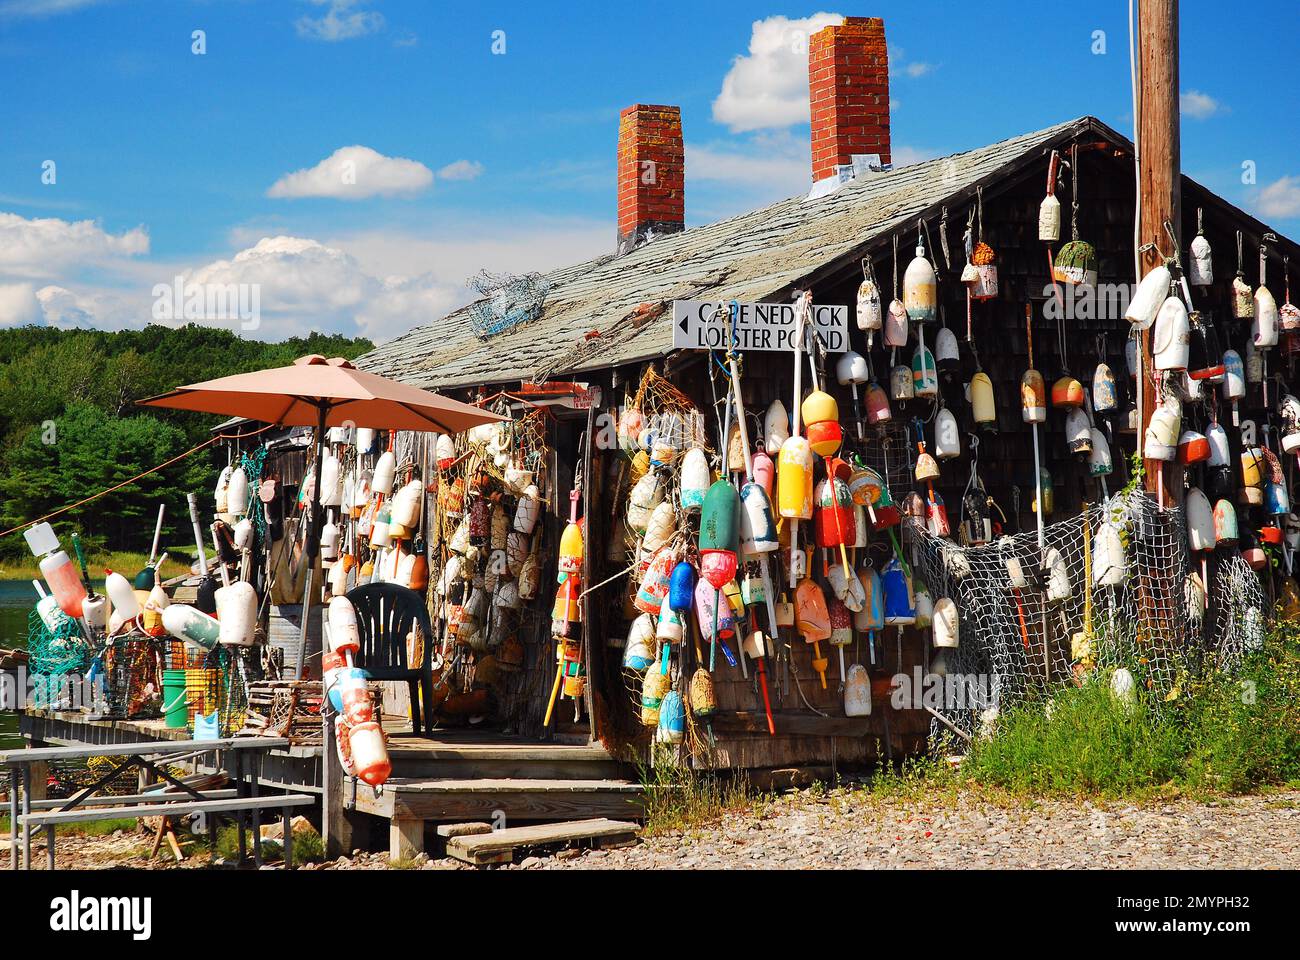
x,y
846,828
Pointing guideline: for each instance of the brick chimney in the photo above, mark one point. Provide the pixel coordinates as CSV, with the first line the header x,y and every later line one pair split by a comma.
x,y
848,92
651,174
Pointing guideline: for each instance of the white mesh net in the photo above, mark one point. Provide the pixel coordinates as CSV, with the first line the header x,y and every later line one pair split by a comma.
x,y
1112,587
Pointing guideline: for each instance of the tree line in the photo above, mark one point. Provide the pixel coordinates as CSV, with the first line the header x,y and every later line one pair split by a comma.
x,y
69,426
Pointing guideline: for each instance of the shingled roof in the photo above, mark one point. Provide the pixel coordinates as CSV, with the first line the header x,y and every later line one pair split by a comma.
x,y
760,255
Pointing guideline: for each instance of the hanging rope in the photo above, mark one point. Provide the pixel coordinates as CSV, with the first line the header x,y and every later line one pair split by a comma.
x,y
118,486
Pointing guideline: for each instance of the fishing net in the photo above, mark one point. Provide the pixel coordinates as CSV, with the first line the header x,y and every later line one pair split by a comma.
x,y
1117,590
507,301
888,450
54,653
254,461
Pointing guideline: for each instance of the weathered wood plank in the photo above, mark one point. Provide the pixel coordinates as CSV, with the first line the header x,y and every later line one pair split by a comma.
x,y
168,809
405,838
487,800
499,845
789,723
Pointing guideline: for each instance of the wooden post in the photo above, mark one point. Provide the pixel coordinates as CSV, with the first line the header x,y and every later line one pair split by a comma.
x,y
595,664
336,823
1160,162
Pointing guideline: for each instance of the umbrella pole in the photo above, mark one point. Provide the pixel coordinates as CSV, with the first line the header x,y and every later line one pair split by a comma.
x,y
312,545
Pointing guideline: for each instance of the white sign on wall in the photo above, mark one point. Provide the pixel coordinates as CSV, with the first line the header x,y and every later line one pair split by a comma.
x,y
697,325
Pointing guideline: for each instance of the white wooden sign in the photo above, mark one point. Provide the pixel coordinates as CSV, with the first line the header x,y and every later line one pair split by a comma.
x,y
697,325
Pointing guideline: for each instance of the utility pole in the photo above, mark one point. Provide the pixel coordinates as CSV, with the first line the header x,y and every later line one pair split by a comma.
x,y
1160,184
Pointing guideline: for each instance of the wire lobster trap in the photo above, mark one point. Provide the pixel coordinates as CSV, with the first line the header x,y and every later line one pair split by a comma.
x,y
506,301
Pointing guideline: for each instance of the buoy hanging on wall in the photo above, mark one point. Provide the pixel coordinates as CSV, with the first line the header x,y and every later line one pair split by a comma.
x,y
919,287
1105,392
947,435
1033,397
1150,295
1099,461
947,357
776,427
981,400
1169,340
1200,266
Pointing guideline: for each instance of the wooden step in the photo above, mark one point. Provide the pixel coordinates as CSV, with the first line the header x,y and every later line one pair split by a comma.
x,y
499,846
416,757
516,800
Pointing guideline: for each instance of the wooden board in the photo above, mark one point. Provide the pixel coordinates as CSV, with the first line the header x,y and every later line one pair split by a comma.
x,y
487,800
232,805
499,846
788,723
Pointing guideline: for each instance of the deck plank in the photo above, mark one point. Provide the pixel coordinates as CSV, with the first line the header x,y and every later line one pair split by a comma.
x,y
499,845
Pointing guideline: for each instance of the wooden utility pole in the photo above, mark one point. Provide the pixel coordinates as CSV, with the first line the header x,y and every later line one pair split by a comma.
x,y
1160,186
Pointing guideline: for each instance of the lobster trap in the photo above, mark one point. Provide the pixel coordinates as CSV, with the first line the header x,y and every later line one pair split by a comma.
x,y
505,301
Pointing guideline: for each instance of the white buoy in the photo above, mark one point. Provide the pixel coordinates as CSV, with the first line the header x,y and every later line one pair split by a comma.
x,y
385,468
776,427
1148,298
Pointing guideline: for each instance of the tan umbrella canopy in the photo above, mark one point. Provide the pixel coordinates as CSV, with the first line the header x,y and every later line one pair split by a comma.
x,y
320,393
296,395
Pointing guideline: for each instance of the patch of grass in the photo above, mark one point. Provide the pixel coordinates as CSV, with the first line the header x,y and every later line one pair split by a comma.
x,y
307,847
1243,731
127,562
677,798
1227,734
917,778
1088,745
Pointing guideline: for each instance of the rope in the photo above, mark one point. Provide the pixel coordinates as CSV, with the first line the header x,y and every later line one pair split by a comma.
x,y
118,486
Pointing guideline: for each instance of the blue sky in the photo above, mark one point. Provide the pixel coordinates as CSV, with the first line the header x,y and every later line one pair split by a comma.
x,y
169,163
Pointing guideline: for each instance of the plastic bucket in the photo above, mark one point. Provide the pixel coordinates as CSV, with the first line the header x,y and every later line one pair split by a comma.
x,y
175,703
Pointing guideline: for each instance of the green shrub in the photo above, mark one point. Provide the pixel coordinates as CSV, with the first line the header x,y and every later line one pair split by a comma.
x,y
1088,743
1243,730
1226,733
676,797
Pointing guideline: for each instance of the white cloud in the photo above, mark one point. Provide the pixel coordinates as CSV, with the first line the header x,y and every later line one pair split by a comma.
x,y
377,283
459,249
461,170
42,247
771,166
18,304
1281,198
60,307
342,21
768,87
354,173
898,63
1198,105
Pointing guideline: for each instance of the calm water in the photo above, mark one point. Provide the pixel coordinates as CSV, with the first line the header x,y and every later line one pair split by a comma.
x,y
16,599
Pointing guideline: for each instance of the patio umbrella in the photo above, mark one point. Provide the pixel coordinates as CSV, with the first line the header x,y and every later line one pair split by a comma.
x,y
321,393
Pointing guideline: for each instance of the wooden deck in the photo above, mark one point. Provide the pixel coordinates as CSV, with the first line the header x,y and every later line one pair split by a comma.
x,y
443,777
491,778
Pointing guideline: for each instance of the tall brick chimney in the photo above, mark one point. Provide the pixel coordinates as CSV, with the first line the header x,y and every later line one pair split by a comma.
x,y
848,92
651,173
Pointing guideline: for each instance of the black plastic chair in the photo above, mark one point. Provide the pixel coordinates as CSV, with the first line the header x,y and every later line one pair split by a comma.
x,y
385,615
